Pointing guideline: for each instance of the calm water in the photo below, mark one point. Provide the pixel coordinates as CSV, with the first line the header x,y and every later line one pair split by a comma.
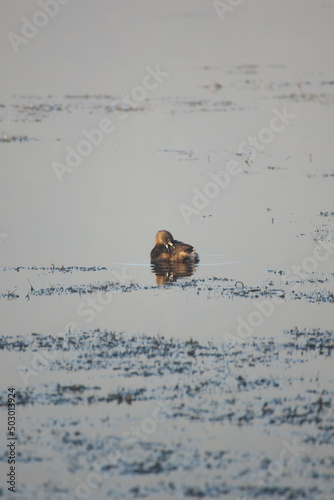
x,y
120,119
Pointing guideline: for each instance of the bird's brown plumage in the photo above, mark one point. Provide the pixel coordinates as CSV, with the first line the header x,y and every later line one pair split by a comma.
x,y
169,250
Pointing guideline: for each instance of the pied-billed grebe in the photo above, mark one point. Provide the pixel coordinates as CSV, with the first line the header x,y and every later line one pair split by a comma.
x,y
169,250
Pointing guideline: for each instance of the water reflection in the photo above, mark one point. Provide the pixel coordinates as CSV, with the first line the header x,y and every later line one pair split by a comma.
x,y
169,272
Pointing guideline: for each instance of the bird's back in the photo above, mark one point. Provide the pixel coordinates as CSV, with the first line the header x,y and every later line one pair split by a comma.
x,y
183,251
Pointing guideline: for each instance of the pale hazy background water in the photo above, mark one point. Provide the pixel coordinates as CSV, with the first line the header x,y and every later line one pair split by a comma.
x,y
107,211
223,80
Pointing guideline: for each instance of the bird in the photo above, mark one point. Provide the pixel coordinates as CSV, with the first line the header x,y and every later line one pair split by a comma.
x,y
167,249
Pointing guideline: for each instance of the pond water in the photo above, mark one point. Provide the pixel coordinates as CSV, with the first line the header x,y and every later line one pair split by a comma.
x,y
120,119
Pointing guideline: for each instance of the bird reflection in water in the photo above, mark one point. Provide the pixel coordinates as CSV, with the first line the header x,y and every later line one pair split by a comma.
x,y
169,272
